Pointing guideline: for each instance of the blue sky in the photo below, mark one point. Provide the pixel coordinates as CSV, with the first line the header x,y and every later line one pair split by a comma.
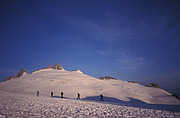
x,y
133,40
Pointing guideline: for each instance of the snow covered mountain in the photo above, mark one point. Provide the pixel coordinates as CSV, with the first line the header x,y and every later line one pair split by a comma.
x,y
57,80
18,96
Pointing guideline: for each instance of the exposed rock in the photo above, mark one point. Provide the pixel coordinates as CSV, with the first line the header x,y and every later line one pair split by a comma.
x,y
153,85
58,67
107,78
32,72
9,78
21,73
50,67
78,71
132,82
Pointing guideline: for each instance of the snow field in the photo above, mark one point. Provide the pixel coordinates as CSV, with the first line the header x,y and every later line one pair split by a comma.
x,y
73,82
18,97
15,105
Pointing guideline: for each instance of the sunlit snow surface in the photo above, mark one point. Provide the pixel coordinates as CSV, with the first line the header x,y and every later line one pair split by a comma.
x,y
32,106
121,99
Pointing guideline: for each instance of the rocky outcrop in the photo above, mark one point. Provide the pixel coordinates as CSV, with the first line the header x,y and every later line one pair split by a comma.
x,y
9,78
132,82
32,72
153,85
107,78
58,67
21,73
100,77
50,67
78,71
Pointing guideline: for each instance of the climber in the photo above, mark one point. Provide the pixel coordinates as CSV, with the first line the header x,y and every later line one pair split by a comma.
x,y
78,96
37,93
101,99
51,94
61,94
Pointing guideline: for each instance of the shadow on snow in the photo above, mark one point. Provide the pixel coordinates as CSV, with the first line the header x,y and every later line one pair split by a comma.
x,y
60,97
134,103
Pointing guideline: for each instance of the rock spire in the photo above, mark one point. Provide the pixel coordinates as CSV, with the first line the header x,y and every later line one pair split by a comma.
x,y
50,66
58,67
21,73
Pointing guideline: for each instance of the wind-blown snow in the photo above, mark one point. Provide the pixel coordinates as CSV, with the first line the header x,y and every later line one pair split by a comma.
x,y
122,99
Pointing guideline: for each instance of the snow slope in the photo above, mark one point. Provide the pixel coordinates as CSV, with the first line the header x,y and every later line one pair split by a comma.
x,y
121,99
20,106
73,82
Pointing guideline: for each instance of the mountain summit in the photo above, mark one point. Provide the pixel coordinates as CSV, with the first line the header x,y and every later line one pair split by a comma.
x,y
58,67
21,73
50,66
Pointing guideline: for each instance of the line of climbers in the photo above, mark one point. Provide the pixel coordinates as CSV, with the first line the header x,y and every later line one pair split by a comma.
x,y
78,95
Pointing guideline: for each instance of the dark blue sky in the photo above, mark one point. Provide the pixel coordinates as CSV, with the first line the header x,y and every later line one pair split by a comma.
x,y
135,40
